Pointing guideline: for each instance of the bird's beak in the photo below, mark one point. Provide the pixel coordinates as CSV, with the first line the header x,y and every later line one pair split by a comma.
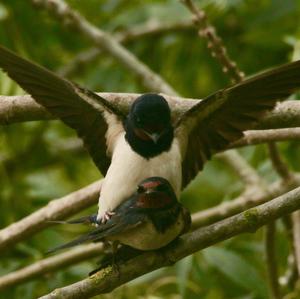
x,y
153,136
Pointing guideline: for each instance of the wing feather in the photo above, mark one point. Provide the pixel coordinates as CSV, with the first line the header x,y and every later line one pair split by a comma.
x,y
119,223
77,107
213,123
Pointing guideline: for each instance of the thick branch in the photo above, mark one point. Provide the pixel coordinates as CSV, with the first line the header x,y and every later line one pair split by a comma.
x,y
57,209
50,264
109,278
253,137
23,108
106,42
15,109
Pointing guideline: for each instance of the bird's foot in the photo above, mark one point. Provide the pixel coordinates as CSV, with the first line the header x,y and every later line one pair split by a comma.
x,y
105,217
116,269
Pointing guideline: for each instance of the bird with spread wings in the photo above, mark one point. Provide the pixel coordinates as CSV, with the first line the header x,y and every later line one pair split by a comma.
x,y
145,142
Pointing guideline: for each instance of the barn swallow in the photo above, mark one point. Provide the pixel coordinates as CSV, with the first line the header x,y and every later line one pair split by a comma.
x,y
146,141
149,219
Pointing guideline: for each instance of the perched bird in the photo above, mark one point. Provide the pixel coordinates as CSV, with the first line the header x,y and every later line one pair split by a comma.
x,y
149,219
146,141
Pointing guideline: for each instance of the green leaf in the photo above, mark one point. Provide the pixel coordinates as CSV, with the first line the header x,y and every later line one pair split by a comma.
x,y
183,268
237,269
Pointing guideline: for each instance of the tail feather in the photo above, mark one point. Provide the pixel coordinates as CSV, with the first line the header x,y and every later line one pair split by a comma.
x,y
90,219
91,236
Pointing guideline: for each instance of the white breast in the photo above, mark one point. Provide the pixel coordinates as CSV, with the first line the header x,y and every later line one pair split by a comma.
x,y
128,169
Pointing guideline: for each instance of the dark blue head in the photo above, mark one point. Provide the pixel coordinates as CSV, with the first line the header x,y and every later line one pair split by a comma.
x,y
157,188
148,126
156,198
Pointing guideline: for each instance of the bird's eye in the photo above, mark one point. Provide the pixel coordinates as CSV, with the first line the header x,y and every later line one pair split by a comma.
x,y
141,189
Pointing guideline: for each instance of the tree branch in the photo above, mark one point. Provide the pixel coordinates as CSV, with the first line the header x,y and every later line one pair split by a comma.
x,y
87,196
148,29
61,10
200,219
214,42
296,238
278,164
109,278
51,264
253,137
272,269
250,198
55,210
15,109
242,168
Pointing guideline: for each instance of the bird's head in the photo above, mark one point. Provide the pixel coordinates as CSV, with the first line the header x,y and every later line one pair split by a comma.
x,y
155,193
150,116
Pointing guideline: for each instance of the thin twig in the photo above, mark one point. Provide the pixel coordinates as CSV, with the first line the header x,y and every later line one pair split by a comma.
x,y
296,238
109,278
289,278
242,168
278,164
214,42
270,248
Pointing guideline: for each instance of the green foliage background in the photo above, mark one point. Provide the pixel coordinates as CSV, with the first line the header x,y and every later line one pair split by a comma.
x,y
36,165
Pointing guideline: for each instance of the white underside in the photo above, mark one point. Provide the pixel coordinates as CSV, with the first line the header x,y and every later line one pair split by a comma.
x,y
146,237
128,169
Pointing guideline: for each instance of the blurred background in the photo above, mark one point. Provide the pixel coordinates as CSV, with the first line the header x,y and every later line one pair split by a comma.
x,y
40,161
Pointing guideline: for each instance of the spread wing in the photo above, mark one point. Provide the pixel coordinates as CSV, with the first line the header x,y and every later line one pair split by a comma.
x,y
221,118
117,224
82,110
